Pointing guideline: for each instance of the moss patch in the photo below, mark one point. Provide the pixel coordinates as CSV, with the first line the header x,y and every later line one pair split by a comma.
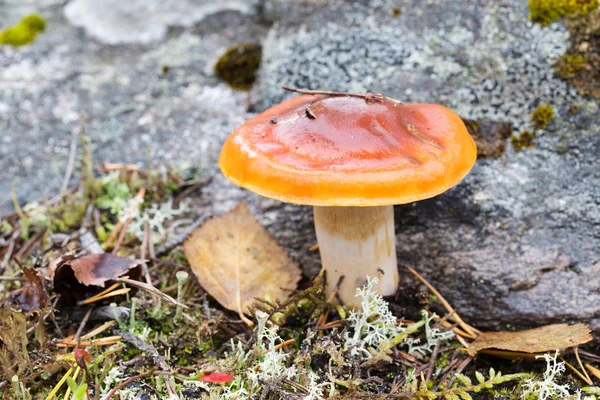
x,y
547,11
542,116
523,140
238,65
581,64
24,32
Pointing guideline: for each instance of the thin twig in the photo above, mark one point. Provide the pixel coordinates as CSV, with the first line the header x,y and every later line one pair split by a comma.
x,y
446,305
460,369
83,323
576,351
69,171
11,248
127,382
579,374
432,360
283,344
122,235
151,290
369,97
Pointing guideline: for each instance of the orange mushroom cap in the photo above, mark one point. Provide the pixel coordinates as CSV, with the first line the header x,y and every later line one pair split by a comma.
x,y
349,151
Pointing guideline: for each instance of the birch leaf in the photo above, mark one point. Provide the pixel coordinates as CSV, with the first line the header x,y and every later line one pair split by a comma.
x,y
236,260
538,340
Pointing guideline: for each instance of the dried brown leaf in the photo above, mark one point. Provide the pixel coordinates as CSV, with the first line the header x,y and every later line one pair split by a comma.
x,y
32,296
538,340
96,269
236,260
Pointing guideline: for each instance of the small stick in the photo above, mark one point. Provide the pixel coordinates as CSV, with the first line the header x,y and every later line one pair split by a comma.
x,y
11,278
432,360
446,305
593,370
579,374
11,248
71,163
460,369
83,323
132,208
104,296
99,330
109,167
122,235
127,382
314,247
283,344
337,288
145,241
576,351
151,252
379,98
106,341
150,289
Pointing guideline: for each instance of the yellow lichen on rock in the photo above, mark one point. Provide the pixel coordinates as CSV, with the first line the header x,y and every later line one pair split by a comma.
x,y
542,116
547,11
24,32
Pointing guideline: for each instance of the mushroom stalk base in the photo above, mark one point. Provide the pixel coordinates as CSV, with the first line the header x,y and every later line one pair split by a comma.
x,y
357,242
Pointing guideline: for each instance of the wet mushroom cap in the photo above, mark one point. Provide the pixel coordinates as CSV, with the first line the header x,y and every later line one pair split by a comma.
x,y
348,151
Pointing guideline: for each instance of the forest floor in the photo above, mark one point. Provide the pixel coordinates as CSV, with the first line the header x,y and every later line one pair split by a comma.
x,y
100,301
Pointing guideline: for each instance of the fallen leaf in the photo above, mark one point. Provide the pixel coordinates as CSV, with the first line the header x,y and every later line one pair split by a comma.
x,y
236,260
216,377
82,277
32,296
538,340
96,269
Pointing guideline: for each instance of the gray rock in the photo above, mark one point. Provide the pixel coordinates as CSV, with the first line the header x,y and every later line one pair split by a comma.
x,y
517,242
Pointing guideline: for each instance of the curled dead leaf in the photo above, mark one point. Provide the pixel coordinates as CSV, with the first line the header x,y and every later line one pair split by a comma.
x,y
81,277
538,340
236,260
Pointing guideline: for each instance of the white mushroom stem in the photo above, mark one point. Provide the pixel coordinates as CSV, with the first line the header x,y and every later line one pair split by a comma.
x,y
357,242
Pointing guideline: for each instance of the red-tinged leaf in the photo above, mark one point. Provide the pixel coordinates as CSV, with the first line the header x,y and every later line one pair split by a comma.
x,y
216,377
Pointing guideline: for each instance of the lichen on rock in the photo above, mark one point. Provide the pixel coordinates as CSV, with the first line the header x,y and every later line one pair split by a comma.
x,y
542,116
522,140
547,11
581,63
24,32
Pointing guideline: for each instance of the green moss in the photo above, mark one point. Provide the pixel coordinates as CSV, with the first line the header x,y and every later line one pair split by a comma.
x,y
567,66
547,11
34,22
523,140
238,65
67,215
24,32
542,116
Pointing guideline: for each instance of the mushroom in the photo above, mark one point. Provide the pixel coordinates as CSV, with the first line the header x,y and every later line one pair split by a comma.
x,y
351,157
